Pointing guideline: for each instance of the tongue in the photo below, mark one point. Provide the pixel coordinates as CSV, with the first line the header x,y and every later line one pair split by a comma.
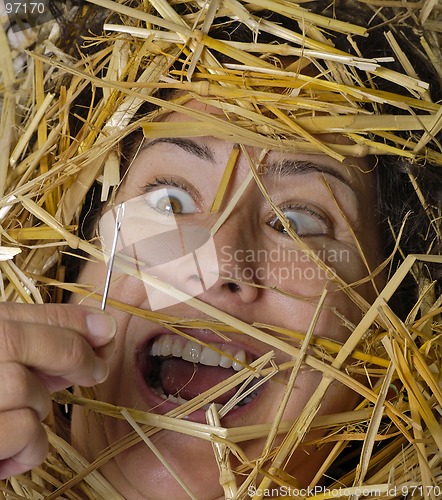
x,y
179,377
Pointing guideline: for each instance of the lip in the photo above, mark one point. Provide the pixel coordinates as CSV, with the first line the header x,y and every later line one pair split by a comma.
x,y
157,404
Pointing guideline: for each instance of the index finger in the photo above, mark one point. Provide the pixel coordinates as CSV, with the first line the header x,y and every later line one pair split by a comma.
x,y
97,326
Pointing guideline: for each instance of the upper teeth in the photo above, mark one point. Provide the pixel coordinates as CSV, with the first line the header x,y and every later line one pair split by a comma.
x,y
170,345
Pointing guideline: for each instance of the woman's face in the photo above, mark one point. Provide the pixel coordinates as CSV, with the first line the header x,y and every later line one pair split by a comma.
x,y
260,275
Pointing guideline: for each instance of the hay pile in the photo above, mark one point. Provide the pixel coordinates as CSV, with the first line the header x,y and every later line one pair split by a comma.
x,y
50,166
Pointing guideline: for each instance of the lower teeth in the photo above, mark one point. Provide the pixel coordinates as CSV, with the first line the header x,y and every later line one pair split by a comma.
x,y
247,400
180,401
174,399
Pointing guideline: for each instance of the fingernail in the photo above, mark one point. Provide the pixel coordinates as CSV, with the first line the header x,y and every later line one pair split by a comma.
x,y
101,371
101,325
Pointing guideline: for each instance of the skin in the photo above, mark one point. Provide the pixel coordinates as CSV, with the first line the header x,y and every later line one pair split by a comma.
x,y
43,349
251,226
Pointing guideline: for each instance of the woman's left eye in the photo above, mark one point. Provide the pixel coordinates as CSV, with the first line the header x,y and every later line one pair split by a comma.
x,y
171,200
303,221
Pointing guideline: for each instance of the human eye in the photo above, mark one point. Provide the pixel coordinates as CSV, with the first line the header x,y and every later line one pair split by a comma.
x,y
303,220
169,197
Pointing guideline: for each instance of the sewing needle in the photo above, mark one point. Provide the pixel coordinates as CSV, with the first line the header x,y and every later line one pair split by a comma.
x,y
110,264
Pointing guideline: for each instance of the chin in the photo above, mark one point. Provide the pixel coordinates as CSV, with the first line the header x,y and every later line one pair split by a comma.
x,y
136,473
192,460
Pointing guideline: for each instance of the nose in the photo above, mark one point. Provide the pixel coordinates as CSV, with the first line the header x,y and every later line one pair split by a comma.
x,y
236,282
229,292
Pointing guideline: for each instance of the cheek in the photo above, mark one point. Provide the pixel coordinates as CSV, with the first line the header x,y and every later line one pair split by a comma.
x,y
302,285
124,289
296,270
91,279
129,292
308,459
309,455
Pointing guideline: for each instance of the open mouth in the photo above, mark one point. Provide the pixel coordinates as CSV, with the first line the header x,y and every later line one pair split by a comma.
x,y
177,370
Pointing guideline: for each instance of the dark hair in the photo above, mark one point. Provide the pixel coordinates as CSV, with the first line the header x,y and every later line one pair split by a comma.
x,y
409,192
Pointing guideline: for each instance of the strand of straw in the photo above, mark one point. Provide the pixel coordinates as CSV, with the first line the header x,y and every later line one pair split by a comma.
x,y
157,452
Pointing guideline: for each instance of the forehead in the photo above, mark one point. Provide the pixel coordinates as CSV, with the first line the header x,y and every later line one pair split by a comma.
x,y
357,172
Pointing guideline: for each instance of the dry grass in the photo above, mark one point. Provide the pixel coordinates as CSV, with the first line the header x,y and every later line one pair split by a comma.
x,y
47,171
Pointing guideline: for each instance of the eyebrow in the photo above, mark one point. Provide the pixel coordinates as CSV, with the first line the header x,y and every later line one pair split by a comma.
x,y
203,152
289,167
281,168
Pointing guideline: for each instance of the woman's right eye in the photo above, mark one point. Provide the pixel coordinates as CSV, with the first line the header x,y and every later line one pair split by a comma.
x,y
171,200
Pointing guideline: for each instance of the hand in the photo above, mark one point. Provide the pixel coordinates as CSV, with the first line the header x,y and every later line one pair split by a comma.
x,y
43,349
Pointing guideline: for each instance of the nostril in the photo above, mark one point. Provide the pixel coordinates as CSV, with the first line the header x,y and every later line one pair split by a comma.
x,y
233,287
